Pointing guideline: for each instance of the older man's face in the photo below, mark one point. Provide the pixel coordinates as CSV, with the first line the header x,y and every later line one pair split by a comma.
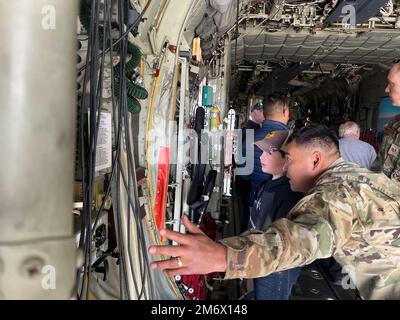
x,y
258,116
393,88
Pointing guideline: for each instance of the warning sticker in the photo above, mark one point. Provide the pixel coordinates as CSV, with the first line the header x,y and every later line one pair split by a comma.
x,y
104,143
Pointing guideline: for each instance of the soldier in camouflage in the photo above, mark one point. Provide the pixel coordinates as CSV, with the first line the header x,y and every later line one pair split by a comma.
x,y
388,160
348,212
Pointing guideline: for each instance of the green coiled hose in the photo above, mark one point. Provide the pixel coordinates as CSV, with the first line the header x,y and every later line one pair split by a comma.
x,y
134,91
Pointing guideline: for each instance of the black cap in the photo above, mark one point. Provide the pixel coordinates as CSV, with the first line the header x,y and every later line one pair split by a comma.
x,y
258,106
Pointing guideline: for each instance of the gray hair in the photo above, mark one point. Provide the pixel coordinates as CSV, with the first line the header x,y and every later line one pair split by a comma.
x,y
349,128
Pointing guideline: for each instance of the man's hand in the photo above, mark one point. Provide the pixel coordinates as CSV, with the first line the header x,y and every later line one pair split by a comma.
x,y
196,253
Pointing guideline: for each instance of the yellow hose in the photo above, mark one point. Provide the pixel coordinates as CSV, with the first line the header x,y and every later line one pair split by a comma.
x,y
149,176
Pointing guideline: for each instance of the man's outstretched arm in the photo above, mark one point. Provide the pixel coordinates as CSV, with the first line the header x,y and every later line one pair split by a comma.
x,y
285,245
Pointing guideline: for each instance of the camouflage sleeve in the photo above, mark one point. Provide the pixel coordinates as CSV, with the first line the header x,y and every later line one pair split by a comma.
x,y
378,163
306,236
373,156
388,160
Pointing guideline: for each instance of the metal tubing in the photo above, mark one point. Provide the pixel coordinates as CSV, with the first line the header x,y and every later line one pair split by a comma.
x,y
37,135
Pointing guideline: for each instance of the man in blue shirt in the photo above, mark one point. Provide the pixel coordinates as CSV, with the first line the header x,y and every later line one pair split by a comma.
x,y
276,113
354,150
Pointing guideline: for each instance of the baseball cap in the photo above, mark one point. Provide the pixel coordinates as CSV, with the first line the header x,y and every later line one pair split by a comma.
x,y
274,140
258,106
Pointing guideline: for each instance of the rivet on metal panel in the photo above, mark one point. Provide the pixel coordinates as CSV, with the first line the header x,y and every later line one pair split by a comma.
x,y
32,267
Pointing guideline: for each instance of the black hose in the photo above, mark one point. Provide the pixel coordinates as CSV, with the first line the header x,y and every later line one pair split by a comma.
x,y
135,92
128,93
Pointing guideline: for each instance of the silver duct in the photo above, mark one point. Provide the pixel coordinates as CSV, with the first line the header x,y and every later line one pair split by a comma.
x,y
37,125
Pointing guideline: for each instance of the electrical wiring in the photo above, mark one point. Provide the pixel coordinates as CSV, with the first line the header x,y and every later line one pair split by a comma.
x,y
117,123
135,275
122,264
86,188
124,35
108,12
136,206
122,103
135,90
96,88
117,197
123,272
124,117
132,185
143,252
118,135
121,124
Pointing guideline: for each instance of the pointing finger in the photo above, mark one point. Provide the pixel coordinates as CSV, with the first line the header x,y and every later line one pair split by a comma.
x,y
190,226
175,236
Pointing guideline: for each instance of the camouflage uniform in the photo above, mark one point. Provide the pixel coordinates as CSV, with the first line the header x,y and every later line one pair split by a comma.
x,y
351,214
388,160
